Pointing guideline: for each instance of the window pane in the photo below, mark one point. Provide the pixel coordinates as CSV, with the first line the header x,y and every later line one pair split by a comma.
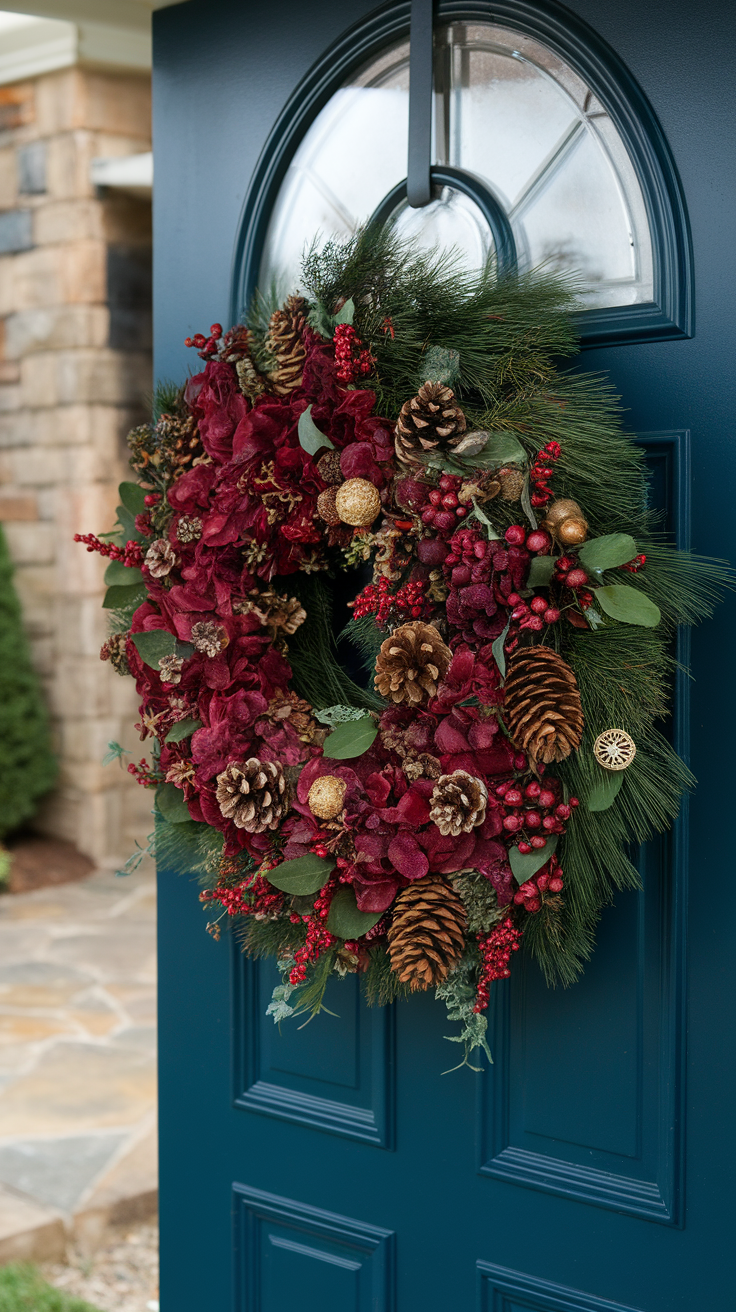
x,y
506,110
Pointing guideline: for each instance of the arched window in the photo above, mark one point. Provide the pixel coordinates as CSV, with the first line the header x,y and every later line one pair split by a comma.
x,y
575,180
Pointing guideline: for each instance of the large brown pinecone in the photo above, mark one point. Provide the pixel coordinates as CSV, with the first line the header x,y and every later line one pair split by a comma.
x,y
284,341
430,420
427,934
252,794
458,803
411,663
542,708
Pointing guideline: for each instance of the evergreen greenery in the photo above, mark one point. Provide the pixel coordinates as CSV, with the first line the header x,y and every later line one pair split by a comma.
x,y
27,765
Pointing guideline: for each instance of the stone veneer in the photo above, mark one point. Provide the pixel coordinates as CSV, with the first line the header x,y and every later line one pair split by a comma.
x,y
75,374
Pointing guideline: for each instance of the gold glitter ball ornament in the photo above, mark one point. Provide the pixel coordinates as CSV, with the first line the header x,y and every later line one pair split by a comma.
x,y
614,749
357,502
326,796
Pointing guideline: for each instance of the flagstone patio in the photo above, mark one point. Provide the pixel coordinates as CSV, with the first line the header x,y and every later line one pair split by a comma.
x,y
77,1061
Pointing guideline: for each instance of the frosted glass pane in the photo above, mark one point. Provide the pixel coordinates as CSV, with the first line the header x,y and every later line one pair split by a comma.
x,y
506,110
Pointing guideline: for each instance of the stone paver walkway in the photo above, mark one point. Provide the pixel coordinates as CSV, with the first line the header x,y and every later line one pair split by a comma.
x,y
77,1061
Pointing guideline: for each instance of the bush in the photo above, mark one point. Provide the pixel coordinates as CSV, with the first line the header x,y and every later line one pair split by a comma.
x,y
27,766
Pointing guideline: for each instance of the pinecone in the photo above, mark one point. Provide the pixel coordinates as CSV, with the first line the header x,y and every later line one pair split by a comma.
x,y
160,559
250,381
542,707
432,419
114,651
427,934
411,663
458,803
209,637
252,794
284,341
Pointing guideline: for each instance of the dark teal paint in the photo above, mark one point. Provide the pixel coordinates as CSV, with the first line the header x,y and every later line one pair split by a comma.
x,y
591,1170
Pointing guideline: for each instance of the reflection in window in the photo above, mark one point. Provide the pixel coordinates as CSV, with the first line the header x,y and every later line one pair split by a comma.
x,y
508,111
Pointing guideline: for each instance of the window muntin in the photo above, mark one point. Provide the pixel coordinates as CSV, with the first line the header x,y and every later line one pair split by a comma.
x,y
508,111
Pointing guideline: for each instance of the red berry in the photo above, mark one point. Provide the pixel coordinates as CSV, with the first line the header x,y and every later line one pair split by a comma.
x,y
461,512
551,615
513,797
447,483
532,819
547,798
537,841
538,605
428,516
536,624
574,801
549,823
515,535
577,578
556,885
565,562
533,789
520,761
533,904
320,850
511,823
539,541
513,599
542,881
216,330
520,611
449,501
562,811
525,848
435,497
444,520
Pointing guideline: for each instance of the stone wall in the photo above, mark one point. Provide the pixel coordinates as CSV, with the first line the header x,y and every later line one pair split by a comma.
x,y
75,374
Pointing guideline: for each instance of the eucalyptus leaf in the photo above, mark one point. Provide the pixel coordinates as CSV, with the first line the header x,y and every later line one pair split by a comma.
x,y
339,714
119,575
304,875
183,729
628,605
500,449
120,598
607,552
346,314
499,655
481,516
184,649
127,525
132,497
439,364
605,792
152,644
170,802
350,739
345,920
526,503
524,865
540,571
310,438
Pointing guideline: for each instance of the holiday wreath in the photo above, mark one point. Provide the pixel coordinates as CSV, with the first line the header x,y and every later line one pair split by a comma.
x,y
484,783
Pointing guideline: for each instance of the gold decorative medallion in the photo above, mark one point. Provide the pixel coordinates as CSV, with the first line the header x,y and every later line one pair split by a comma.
x,y
326,796
614,749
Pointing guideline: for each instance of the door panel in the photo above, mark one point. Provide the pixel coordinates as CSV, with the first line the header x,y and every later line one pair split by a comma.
x,y
338,1166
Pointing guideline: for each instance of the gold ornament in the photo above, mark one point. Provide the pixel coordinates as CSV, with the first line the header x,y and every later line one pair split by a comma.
x,y
357,502
326,507
566,522
326,796
614,749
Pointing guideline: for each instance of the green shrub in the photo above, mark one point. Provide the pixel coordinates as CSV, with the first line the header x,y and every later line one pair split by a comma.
x,y
27,766
22,1289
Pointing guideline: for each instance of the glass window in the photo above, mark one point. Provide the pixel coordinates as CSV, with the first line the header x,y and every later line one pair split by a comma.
x,y
506,110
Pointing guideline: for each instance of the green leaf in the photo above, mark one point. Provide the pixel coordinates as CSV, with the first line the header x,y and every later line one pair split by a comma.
x,y
120,598
170,802
524,865
305,874
540,571
481,516
127,524
183,729
500,449
351,739
346,314
132,497
439,364
153,644
605,792
628,605
526,503
119,575
594,618
499,655
607,552
310,438
345,920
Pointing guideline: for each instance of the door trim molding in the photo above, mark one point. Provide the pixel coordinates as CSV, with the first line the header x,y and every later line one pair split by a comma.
x,y
670,315
498,1288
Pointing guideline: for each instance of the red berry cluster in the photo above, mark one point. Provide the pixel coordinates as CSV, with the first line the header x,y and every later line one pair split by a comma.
x,y
444,509
258,898
206,346
318,937
130,554
542,471
633,566
495,950
144,774
531,894
569,574
378,600
535,812
353,360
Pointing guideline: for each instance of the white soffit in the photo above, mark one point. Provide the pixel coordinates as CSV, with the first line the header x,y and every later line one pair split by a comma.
x,y
39,36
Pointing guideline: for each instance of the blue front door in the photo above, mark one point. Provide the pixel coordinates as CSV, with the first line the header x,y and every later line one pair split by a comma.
x,y
336,1169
